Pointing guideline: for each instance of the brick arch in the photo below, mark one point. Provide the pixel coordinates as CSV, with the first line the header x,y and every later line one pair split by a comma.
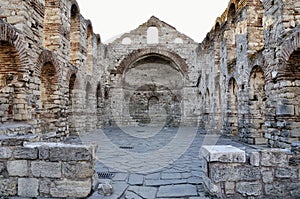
x,y
73,71
74,3
89,26
136,54
217,26
47,56
9,34
289,46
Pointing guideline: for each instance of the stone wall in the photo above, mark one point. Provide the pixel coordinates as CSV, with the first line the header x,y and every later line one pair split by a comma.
x,y
242,80
267,173
247,83
39,169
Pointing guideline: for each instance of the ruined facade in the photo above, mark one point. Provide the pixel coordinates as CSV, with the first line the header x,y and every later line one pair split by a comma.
x,y
58,79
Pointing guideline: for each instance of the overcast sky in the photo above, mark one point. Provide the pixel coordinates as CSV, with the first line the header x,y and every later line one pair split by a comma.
x,y
110,18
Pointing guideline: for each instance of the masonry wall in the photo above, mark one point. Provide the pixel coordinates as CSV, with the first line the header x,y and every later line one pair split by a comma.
x,y
242,80
249,43
40,93
266,173
37,169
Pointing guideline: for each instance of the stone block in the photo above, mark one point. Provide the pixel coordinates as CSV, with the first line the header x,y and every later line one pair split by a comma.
x,y
44,186
229,188
68,188
285,110
28,187
18,168
286,172
44,152
5,153
2,166
8,187
249,188
294,189
25,153
211,187
274,157
267,176
79,170
46,169
66,152
255,158
223,153
70,154
275,189
233,172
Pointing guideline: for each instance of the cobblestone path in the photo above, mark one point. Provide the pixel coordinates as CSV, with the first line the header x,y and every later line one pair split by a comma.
x,y
123,155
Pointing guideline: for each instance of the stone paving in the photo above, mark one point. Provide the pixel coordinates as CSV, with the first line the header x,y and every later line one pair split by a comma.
x,y
175,177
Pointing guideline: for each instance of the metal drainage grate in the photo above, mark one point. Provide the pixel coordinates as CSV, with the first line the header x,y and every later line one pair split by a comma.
x,y
105,175
126,147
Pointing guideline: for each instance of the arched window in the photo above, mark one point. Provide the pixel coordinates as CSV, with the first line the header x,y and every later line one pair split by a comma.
x,y
89,50
74,35
152,35
9,65
126,41
48,87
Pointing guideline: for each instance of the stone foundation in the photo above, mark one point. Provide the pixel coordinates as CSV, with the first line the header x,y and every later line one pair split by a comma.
x,y
231,173
43,169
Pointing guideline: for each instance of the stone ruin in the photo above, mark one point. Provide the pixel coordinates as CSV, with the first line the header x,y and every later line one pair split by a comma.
x,y
58,79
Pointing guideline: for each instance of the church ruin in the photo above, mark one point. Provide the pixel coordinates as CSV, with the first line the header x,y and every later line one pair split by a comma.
x,y
58,79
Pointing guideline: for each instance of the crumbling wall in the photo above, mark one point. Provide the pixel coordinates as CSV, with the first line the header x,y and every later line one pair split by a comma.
x,y
47,43
254,43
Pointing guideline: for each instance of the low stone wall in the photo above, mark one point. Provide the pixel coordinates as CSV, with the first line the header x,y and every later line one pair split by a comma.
x,y
270,173
36,169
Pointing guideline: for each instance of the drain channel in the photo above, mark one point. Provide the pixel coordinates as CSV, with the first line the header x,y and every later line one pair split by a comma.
x,y
126,147
105,175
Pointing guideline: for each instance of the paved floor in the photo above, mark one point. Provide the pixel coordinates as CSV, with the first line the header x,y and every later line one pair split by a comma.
x,y
150,163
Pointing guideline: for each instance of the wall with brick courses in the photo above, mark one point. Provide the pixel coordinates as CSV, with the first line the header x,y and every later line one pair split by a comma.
x,y
242,80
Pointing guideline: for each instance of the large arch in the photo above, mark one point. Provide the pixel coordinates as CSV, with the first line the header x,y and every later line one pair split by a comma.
x,y
141,53
47,56
9,34
286,75
48,71
142,77
14,69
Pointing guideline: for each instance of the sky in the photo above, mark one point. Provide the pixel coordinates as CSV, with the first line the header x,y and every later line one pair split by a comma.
x,y
194,18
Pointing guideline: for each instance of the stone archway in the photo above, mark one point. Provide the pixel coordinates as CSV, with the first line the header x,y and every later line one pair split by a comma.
x,y
9,66
14,70
48,71
143,80
146,52
286,78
